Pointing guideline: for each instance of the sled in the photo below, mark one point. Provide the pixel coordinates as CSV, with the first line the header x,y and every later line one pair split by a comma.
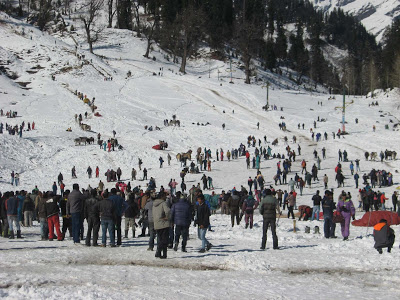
x,y
98,115
156,147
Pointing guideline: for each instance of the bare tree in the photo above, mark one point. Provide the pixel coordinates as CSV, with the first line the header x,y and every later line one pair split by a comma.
x,y
111,12
137,18
149,30
191,22
90,12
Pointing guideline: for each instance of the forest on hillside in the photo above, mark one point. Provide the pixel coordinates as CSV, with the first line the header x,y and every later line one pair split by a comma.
x,y
284,34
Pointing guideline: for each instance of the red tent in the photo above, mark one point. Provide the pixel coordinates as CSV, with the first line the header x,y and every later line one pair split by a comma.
x,y
370,219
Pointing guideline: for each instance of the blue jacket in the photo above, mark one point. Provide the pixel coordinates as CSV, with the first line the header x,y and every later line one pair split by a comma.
x,y
12,206
119,204
181,213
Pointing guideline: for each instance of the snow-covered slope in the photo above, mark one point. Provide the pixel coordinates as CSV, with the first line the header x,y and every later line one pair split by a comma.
x,y
308,265
375,15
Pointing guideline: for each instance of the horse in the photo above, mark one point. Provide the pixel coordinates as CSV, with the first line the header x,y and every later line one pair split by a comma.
x,y
391,154
80,140
182,156
85,127
373,155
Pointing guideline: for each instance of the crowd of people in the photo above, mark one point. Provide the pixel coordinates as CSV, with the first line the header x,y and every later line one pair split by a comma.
x,y
166,214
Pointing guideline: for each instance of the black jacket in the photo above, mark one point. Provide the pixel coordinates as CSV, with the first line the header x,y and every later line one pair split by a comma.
x,y
328,206
52,207
28,205
316,200
90,211
132,210
203,215
105,208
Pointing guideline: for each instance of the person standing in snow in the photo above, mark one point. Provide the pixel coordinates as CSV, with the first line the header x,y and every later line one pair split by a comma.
x,y
328,207
133,174
161,161
60,178
161,217
119,173
53,220
74,208
89,172
11,207
248,207
316,205
140,162
119,207
346,208
203,221
169,159
106,210
181,213
16,179
233,205
73,172
54,188
93,219
268,207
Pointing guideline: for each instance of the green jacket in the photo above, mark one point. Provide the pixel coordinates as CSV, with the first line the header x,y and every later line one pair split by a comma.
x,y
268,207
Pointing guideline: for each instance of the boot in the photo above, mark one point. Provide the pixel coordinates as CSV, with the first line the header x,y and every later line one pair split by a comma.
x,y
184,249
251,225
176,247
307,229
247,225
164,250
133,233
11,236
316,230
143,232
126,234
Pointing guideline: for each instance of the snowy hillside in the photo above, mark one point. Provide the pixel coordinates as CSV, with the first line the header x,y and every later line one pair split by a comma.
x,y
308,265
375,15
